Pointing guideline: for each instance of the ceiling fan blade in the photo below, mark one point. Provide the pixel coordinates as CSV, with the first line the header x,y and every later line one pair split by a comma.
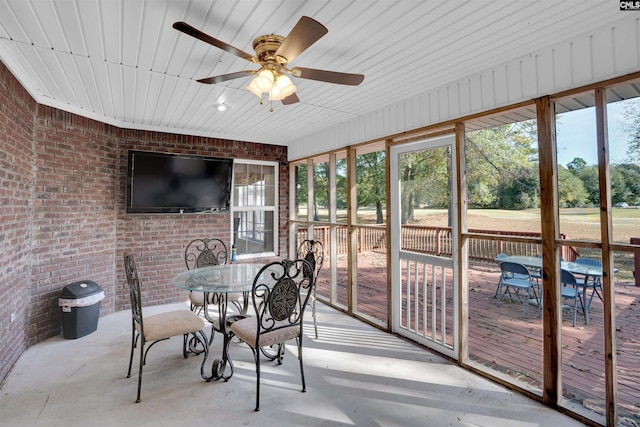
x,y
305,33
194,32
224,77
291,99
328,76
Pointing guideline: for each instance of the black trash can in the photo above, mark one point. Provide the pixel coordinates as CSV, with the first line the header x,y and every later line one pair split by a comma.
x,y
80,304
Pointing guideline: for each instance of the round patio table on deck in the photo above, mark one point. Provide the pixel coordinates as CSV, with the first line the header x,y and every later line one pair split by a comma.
x,y
220,280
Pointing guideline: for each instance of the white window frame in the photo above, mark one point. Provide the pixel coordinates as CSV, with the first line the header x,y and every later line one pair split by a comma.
x,y
249,209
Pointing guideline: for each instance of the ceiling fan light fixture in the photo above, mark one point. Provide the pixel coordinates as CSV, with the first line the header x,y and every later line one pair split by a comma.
x,y
285,85
282,88
277,85
253,88
264,80
275,94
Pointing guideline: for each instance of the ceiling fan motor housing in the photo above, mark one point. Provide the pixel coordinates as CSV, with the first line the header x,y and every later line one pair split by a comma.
x,y
266,47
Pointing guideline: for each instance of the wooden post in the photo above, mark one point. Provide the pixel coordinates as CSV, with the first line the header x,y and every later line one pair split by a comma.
x,y
388,230
331,249
463,245
611,382
552,307
310,198
293,212
352,241
636,260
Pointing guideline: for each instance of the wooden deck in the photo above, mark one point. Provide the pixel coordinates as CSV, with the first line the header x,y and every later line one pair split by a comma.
x,y
508,341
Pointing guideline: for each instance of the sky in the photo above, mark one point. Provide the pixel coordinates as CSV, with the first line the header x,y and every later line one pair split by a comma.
x,y
576,135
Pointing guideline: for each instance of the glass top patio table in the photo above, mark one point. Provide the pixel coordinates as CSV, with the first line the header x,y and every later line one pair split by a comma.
x,y
220,279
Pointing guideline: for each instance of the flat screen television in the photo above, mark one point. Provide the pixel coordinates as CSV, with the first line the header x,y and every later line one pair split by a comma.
x,y
175,183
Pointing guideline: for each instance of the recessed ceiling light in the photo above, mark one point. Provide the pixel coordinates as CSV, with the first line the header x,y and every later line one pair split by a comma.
x,y
220,106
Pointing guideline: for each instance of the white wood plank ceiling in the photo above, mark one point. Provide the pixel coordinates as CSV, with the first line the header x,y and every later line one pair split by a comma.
x,y
121,62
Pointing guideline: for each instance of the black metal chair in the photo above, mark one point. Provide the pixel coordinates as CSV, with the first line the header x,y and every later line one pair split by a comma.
x,y
280,293
517,277
313,252
205,253
160,327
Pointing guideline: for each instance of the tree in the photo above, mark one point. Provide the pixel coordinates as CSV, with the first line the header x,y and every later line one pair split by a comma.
x,y
341,184
520,192
630,175
320,187
622,183
632,114
371,182
502,158
589,177
576,165
625,183
571,191
301,187
424,177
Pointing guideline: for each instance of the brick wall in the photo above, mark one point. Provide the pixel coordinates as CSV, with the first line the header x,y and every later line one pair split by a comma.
x,y
62,192
73,225
17,110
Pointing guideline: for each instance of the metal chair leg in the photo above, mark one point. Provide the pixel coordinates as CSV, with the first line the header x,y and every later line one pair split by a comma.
x,y
304,385
134,340
256,355
313,313
142,357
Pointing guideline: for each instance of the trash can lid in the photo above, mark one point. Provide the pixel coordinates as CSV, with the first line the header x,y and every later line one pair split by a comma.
x,y
80,289
81,302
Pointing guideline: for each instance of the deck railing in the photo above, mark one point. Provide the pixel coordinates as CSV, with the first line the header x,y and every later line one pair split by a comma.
x,y
436,241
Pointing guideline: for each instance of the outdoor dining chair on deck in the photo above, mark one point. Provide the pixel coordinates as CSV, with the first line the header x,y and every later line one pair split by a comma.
x,y
160,327
280,294
592,282
571,289
517,277
499,259
536,272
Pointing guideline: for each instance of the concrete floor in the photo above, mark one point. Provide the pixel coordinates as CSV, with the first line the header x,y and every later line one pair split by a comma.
x,y
356,376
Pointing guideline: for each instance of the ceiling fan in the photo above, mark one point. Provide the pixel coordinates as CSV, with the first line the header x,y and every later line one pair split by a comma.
x,y
273,54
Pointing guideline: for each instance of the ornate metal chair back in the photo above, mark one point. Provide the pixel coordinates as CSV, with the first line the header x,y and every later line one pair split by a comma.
x,y
135,295
313,252
280,294
205,252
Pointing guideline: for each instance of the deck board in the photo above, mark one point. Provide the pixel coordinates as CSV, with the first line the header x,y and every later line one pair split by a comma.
x,y
507,340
